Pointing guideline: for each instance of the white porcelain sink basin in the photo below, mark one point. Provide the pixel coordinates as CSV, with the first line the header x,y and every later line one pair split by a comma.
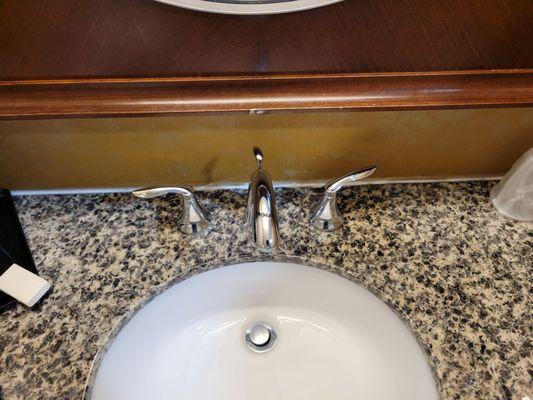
x,y
334,340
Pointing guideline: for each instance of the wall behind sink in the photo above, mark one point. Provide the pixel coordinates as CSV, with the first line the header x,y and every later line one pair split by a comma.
x,y
299,147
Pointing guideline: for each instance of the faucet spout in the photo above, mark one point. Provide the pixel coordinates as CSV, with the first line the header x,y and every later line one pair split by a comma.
x,y
262,218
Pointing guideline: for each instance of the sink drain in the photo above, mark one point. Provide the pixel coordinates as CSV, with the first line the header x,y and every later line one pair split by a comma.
x,y
260,337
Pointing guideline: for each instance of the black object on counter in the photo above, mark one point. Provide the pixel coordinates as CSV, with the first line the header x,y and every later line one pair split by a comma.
x,y
5,260
13,246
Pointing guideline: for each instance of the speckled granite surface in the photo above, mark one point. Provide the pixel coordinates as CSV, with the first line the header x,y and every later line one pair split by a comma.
x,y
458,272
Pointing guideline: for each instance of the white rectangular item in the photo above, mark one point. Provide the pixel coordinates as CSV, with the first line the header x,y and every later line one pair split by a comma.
x,y
23,285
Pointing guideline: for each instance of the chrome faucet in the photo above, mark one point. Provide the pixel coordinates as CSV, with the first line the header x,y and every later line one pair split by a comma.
x,y
194,219
262,217
325,215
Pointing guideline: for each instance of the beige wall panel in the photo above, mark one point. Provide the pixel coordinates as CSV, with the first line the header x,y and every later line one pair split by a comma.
x,y
299,147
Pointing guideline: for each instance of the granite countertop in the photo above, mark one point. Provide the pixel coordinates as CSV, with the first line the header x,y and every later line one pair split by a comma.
x,y
458,272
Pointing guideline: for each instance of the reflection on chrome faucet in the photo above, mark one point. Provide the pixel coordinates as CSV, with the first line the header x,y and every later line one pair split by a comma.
x,y
262,217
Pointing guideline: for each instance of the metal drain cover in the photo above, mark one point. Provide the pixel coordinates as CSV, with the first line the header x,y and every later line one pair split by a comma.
x,y
260,337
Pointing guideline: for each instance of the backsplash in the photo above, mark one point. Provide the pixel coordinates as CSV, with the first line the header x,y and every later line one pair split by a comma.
x,y
300,147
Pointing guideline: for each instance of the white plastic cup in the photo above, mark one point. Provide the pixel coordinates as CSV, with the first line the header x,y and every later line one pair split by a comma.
x,y
513,196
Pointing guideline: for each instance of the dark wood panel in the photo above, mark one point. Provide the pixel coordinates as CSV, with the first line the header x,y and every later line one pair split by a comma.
x,y
401,35
137,38
61,58
73,38
274,94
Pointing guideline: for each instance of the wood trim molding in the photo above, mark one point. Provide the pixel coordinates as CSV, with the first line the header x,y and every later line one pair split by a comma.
x,y
256,94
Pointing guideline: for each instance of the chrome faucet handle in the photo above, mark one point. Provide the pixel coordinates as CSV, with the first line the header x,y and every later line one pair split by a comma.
x,y
325,215
194,219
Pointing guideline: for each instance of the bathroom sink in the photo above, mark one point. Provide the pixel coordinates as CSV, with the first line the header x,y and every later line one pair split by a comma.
x,y
259,331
